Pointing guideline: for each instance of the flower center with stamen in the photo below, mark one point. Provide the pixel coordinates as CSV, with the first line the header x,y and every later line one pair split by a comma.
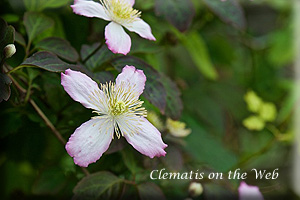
x,y
119,108
120,11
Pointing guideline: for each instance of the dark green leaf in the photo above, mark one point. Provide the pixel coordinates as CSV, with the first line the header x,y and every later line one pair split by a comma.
x,y
20,39
208,149
154,89
5,83
104,77
229,11
179,13
39,5
150,191
173,101
36,23
95,185
101,56
140,45
130,160
7,35
50,181
60,47
196,46
173,159
50,62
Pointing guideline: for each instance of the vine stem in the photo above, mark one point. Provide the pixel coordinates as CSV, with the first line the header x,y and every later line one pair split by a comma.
x,y
93,52
45,119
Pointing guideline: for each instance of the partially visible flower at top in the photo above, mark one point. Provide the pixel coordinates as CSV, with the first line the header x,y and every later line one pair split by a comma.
x,y
177,128
248,192
253,101
254,123
120,113
120,13
195,189
155,120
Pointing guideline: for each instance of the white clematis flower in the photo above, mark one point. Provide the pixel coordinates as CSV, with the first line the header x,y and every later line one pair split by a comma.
x,y
120,13
120,113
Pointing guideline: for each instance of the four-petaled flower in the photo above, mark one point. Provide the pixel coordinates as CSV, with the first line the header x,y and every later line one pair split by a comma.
x,y
120,13
120,113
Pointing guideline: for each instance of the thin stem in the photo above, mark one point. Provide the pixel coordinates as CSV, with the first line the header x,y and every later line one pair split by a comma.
x,y
129,182
47,121
17,68
95,51
45,118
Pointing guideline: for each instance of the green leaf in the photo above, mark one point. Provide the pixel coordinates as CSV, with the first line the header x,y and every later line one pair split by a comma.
x,y
20,39
50,181
60,47
179,13
5,83
140,45
49,62
154,89
36,23
174,104
150,191
7,35
95,185
229,11
101,56
39,5
130,161
208,149
196,46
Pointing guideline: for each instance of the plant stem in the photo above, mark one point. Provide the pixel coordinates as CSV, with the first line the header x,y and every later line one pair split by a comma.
x,y
95,51
17,68
45,118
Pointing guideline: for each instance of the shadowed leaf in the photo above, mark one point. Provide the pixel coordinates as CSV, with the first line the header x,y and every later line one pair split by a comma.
x,y
60,47
149,191
179,13
95,185
229,11
5,83
36,23
50,62
7,35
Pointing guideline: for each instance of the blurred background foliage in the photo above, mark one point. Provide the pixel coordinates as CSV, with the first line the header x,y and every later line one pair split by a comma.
x,y
223,68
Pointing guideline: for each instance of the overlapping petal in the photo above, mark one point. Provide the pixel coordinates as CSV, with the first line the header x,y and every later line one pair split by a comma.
x,y
135,77
82,89
248,192
117,40
140,27
90,141
89,9
143,136
131,2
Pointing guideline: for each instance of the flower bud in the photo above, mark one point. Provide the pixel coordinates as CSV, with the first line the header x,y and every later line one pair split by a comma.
x,y
195,189
9,50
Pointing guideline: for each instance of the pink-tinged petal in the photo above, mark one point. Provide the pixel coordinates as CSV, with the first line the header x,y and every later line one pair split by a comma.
x,y
145,137
87,144
81,88
89,9
131,2
135,77
142,28
117,40
248,192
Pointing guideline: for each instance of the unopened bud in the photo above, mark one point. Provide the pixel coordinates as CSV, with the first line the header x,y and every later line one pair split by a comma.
x,y
9,50
195,189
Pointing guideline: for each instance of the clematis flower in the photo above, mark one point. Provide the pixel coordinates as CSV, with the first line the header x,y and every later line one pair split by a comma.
x,y
249,192
121,14
120,113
